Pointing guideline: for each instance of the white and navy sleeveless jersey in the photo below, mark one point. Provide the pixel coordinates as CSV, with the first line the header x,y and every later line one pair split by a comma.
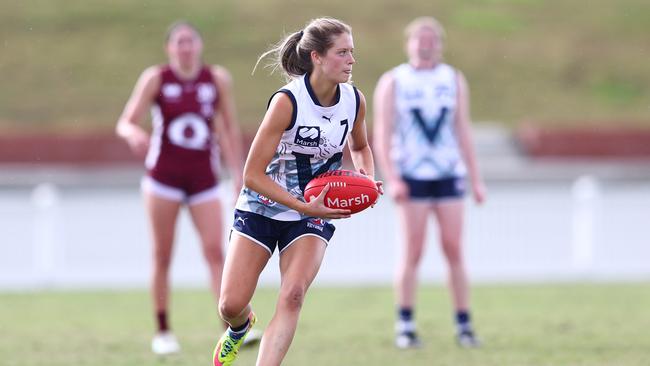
x,y
312,144
424,143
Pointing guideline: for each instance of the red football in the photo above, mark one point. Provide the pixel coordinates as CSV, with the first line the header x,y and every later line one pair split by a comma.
x,y
348,190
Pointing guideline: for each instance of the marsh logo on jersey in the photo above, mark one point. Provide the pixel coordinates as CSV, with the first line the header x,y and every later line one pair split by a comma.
x,y
316,223
307,136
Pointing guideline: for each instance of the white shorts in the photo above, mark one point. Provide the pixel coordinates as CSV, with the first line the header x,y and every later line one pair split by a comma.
x,y
152,186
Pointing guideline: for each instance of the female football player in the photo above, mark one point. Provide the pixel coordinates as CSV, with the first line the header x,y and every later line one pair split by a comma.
x,y
424,145
193,109
302,135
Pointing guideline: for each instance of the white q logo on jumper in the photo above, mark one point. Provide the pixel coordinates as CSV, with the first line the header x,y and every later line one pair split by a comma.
x,y
189,131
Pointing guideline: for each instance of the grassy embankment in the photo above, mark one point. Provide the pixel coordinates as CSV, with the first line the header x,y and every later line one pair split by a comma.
x,y
71,65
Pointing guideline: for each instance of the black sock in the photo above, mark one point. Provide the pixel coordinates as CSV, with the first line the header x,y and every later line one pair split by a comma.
x,y
405,314
463,321
405,323
239,331
161,318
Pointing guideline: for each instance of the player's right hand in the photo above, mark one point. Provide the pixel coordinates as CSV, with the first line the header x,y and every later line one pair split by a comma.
x,y
316,207
398,190
138,141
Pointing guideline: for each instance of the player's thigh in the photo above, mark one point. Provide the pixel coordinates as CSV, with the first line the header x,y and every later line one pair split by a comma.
x,y
162,213
450,217
244,263
300,262
207,218
413,216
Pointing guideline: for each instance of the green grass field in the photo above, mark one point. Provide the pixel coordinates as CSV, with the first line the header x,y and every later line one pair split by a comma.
x,y
569,324
70,65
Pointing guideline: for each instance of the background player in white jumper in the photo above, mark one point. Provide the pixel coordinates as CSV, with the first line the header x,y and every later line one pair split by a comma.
x,y
192,106
302,134
425,150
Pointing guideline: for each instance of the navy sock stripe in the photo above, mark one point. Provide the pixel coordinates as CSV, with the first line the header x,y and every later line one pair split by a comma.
x,y
405,314
463,317
238,332
161,319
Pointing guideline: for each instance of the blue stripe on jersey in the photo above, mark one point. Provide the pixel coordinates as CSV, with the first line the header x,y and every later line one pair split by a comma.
x,y
357,98
430,133
304,167
313,95
294,113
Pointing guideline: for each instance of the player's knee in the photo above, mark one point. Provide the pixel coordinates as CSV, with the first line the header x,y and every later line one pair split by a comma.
x,y
162,262
292,297
229,308
453,252
413,257
213,254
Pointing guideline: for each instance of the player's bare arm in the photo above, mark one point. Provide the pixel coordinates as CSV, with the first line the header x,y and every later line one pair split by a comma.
x,y
384,110
276,120
227,125
463,122
141,99
359,147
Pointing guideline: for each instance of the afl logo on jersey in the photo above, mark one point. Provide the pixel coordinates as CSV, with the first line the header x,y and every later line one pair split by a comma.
x,y
265,200
189,131
205,93
307,136
171,91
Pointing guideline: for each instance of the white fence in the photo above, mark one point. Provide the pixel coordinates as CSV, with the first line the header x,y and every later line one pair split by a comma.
x,y
553,231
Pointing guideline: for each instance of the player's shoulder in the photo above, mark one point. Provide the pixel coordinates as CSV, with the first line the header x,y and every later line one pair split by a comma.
x,y
395,73
282,99
151,76
402,70
221,74
153,71
282,109
450,68
454,72
386,81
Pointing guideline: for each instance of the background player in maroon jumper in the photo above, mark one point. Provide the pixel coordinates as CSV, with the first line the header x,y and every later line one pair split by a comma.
x,y
192,107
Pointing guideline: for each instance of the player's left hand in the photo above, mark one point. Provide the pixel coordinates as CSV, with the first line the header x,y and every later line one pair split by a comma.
x,y
378,183
479,191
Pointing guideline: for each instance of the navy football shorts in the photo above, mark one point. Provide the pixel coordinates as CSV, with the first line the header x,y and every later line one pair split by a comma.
x,y
270,233
438,189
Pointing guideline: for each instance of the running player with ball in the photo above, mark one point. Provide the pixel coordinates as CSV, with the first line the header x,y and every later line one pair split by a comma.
x,y
301,136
